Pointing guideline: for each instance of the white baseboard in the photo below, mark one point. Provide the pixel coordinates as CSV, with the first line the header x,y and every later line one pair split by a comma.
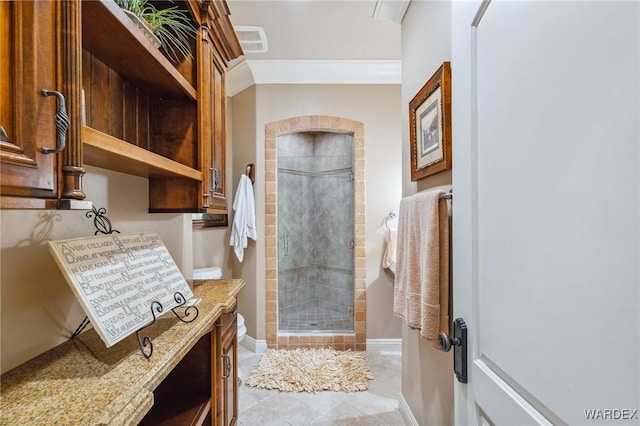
x,y
405,412
257,346
384,345
373,345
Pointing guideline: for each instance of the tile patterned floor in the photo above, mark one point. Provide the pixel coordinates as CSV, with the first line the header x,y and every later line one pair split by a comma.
x,y
376,406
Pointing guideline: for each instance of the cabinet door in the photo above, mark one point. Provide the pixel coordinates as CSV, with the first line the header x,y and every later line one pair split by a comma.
x,y
230,382
227,399
205,114
28,51
212,124
218,153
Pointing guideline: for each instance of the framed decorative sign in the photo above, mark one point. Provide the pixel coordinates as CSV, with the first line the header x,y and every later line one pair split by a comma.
x,y
430,125
119,279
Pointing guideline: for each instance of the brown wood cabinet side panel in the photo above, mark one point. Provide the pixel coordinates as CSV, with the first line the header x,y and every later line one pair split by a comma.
x,y
116,105
175,133
143,137
99,82
188,66
130,113
173,194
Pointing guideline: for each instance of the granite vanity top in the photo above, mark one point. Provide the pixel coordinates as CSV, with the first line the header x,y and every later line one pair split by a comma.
x,y
82,382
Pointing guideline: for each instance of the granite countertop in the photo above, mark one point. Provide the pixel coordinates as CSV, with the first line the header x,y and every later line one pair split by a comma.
x,y
83,382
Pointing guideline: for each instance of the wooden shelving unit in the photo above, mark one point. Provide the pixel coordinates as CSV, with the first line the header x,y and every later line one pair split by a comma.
x,y
107,152
112,37
130,109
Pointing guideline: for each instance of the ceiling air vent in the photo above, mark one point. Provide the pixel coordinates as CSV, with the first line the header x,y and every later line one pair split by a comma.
x,y
252,39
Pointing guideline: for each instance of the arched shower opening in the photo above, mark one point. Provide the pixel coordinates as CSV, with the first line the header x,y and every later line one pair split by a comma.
x,y
315,233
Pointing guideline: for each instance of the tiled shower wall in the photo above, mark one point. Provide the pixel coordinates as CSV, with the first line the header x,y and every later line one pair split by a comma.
x,y
274,133
315,230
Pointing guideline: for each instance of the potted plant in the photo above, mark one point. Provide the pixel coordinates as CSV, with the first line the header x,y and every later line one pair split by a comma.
x,y
170,27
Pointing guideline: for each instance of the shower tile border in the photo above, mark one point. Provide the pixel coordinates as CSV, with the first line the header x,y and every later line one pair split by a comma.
x,y
338,341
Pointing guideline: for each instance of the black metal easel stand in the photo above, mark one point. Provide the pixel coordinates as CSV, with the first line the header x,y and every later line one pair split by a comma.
x,y
146,345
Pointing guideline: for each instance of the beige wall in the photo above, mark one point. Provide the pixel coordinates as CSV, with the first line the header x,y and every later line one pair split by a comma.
x,y
38,309
242,141
427,374
210,248
378,107
211,245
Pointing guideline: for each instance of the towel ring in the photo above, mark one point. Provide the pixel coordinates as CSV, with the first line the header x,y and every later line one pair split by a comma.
x,y
391,215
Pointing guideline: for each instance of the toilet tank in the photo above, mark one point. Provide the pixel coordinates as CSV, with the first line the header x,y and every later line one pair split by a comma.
x,y
211,273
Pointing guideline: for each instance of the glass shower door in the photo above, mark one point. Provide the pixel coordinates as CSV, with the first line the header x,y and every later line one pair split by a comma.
x,y
315,233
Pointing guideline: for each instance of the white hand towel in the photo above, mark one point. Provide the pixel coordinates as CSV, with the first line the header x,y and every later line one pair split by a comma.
x,y
244,219
389,258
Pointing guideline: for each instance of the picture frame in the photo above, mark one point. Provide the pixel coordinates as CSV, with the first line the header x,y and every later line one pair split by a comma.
x,y
430,125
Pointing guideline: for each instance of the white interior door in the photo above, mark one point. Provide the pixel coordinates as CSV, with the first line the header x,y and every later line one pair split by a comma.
x,y
546,216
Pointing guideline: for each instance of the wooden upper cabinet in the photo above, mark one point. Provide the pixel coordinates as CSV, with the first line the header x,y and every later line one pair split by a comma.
x,y
212,116
219,108
131,108
156,105
31,47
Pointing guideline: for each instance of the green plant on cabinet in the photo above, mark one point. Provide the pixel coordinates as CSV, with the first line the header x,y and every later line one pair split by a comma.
x,y
172,26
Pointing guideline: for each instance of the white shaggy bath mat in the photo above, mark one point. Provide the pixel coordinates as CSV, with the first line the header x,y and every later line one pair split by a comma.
x,y
311,370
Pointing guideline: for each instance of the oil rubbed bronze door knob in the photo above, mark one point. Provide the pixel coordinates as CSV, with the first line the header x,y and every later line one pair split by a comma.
x,y
459,342
445,342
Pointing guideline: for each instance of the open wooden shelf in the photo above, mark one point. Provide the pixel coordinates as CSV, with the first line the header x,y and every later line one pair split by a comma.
x,y
178,409
113,38
184,396
107,152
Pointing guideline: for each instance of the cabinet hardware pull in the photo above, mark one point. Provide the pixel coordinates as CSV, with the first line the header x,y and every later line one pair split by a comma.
x,y
227,366
62,122
215,179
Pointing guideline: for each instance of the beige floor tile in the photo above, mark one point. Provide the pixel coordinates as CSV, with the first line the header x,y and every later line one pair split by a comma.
x,y
376,406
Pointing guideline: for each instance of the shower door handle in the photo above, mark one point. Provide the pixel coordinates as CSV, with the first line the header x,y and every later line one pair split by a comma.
x,y
286,244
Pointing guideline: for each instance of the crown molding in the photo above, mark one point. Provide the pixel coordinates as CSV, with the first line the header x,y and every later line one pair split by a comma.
x,y
393,10
305,71
239,77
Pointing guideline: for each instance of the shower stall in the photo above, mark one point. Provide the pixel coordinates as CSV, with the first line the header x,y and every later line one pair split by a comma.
x,y
315,187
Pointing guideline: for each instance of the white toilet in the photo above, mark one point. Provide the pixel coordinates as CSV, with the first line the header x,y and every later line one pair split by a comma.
x,y
215,273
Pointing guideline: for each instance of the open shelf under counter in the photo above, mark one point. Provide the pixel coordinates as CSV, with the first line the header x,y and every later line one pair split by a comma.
x,y
105,151
82,382
113,38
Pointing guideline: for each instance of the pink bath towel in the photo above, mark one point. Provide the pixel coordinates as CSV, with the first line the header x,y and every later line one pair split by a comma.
x,y
421,292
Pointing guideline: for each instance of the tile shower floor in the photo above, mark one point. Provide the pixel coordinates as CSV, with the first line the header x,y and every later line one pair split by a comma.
x,y
317,319
376,406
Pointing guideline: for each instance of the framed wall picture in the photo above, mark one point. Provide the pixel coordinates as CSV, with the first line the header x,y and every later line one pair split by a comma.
x,y
430,125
